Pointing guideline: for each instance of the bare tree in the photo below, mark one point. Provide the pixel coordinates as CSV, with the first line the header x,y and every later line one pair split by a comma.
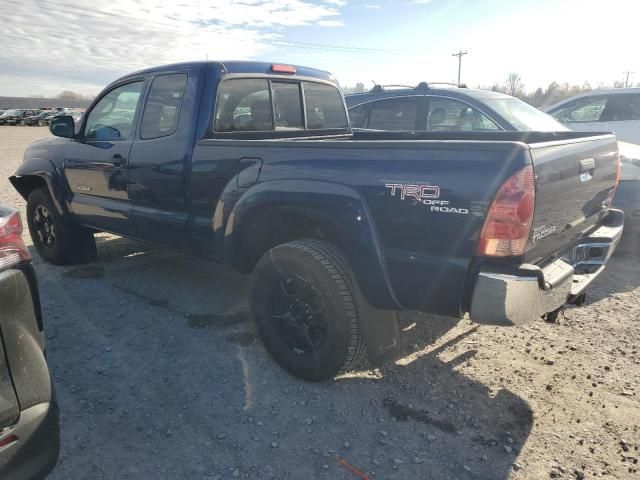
x,y
514,85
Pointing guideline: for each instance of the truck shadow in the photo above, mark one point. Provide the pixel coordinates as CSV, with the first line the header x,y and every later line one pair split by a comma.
x,y
165,350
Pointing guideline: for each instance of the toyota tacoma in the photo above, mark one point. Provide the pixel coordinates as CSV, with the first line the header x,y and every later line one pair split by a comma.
x,y
255,165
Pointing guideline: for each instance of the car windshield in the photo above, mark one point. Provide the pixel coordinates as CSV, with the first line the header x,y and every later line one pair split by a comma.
x,y
523,116
9,112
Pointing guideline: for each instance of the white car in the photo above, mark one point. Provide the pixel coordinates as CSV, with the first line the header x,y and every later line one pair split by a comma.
x,y
616,110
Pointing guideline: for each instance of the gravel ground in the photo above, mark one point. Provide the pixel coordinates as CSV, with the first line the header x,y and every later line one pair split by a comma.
x,y
160,376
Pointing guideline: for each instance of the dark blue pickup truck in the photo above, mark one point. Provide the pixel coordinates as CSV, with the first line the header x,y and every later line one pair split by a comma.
x,y
255,165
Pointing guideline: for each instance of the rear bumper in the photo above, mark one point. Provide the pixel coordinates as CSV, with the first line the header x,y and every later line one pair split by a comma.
x,y
33,443
528,292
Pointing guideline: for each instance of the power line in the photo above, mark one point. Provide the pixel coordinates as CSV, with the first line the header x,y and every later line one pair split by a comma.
x,y
459,55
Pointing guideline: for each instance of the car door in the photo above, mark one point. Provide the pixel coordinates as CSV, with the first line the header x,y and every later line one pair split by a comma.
x,y
96,162
158,162
621,116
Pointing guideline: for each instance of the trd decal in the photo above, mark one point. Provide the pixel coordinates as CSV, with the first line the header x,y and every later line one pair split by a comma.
x,y
426,194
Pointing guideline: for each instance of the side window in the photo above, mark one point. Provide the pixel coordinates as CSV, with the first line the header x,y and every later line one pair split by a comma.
x,y
617,109
358,116
162,110
112,117
243,105
583,110
447,115
324,106
635,106
288,106
394,114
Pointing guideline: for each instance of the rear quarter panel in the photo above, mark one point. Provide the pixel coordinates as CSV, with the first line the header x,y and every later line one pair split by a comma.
x,y
426,252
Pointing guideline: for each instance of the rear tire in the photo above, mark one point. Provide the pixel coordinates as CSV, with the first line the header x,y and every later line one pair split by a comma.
x,y
304,307
56,240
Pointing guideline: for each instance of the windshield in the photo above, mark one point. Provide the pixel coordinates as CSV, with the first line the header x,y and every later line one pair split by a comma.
x,y
9,112
523,116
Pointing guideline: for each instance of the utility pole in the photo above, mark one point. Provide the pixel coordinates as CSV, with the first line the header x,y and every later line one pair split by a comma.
x,y
459,55
626,82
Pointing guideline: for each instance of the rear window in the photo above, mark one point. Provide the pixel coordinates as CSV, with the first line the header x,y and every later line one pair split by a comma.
x,y
324,106
523,116
288,105
260,105
244,105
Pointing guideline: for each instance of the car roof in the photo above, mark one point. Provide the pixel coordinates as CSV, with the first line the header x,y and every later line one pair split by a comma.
x,y
595,93
462,93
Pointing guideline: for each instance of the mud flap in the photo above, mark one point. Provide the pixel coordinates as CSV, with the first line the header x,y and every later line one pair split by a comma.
x,y
380,331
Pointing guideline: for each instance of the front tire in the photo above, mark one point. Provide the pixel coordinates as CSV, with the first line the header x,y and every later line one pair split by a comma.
x,y
304,306
56,240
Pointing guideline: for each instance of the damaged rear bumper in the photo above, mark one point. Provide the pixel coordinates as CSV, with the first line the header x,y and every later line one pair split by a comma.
x,y
529,291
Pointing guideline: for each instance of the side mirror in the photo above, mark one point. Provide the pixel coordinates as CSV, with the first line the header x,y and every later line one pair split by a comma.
x,y
62,126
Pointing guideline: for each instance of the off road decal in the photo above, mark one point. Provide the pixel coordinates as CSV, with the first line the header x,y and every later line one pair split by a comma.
x,y
427,195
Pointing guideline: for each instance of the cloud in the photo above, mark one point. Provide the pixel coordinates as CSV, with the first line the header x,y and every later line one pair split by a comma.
x,y
420,2
74,43
331,23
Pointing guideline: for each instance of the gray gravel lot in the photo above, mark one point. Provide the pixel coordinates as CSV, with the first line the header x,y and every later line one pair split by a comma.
x,y
160,376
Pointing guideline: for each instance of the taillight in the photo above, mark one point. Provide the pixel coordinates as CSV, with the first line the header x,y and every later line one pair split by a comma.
x,y
12,248
508,223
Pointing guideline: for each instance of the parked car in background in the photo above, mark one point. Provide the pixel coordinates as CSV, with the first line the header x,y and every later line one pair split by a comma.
x,y
46,119
4,115
627,197
29,429
616,110
35,120
444,108
16,117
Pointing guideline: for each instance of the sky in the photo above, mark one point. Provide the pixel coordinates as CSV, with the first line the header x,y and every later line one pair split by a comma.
x,y
48,46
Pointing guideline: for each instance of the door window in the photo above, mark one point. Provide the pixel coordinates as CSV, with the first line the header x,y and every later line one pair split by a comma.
x,y
112,117
447,115
358,116
618,109
394,114
162,110
582,110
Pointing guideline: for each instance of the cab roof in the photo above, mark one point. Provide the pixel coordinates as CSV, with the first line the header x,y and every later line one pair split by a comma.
x,y
239,66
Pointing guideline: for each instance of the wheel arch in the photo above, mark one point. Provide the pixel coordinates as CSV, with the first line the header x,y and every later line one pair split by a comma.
x,y
277,212
37,173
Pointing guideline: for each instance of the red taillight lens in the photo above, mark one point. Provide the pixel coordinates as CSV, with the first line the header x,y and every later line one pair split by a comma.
x,y
279,68
12,248
506,229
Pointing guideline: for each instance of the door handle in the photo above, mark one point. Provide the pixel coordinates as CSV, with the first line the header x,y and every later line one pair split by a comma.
x,y
118,160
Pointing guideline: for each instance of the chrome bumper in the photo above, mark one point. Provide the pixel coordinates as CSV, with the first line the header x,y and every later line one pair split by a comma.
x,y
530,292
